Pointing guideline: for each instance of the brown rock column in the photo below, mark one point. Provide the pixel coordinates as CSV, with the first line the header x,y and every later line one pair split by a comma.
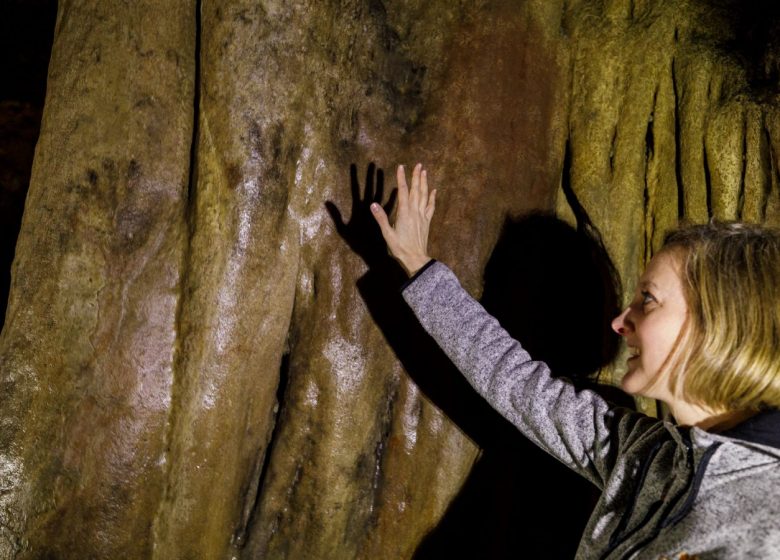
x,y
87,352
356,462
362,464
243,264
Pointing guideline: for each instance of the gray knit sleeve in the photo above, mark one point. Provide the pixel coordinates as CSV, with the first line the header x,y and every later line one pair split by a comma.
x,y
576,426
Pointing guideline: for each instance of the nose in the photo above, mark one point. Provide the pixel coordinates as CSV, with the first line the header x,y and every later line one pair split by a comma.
x,y
621,323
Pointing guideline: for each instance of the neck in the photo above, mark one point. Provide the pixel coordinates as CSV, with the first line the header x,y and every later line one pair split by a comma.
x,y
687,414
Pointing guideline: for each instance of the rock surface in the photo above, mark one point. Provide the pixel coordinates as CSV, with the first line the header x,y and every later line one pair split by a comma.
x,y
196,361
87,350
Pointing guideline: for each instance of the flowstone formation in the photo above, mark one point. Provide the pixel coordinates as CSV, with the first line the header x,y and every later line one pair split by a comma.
x,y
195,361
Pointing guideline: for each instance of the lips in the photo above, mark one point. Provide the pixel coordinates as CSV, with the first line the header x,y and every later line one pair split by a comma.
x,y
633,353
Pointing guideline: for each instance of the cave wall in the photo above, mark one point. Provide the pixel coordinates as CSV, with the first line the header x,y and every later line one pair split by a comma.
x,y
189,369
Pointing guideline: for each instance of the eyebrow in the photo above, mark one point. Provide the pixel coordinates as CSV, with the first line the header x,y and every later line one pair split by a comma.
x,y
647,284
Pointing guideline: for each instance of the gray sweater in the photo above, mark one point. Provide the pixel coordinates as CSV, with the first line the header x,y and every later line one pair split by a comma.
x,y
667,491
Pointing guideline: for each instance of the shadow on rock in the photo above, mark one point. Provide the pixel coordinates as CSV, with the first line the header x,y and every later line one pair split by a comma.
x,y
554,289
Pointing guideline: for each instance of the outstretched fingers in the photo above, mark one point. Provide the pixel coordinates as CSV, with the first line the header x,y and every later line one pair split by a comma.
x,y
407,239
418,199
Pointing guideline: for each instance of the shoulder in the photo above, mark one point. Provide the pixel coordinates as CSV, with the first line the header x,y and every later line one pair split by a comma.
x,y
742,487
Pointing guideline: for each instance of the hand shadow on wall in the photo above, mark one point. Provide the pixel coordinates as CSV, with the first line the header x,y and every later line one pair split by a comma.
x,y
553,288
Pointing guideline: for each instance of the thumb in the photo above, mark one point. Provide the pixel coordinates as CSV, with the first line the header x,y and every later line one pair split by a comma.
x,y
384,224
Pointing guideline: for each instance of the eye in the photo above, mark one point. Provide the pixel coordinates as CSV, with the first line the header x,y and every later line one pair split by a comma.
x,y
647,297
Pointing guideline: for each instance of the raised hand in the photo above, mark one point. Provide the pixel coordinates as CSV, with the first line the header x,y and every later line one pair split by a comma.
x,y
407,239
361,233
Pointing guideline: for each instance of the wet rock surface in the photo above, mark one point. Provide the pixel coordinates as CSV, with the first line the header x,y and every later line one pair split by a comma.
x,y
205,354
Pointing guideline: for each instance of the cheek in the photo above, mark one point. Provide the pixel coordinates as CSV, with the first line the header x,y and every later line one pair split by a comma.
x,y
658,339
666,342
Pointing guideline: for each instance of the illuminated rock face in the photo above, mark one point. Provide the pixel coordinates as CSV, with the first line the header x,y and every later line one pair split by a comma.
x,y
189,369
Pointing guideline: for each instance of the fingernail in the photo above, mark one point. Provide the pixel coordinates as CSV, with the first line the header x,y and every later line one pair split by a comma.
x,y
375,207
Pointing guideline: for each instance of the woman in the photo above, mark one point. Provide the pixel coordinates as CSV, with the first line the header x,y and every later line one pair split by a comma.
x,y
704,336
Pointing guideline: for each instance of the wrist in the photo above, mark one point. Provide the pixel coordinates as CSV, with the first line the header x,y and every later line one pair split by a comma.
x,y
413,263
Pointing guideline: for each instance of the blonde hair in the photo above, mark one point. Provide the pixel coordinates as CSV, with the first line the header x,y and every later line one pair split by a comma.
x,y
730,358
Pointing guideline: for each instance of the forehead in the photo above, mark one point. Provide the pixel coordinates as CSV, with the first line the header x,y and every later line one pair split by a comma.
x,y
663,271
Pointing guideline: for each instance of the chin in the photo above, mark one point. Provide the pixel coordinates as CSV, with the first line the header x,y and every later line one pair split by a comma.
x,y
632,383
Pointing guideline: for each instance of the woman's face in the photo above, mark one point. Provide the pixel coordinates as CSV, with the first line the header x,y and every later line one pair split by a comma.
x,y
651,325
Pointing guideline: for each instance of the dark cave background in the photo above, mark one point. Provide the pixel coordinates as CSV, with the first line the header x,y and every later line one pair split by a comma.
x,y
26,35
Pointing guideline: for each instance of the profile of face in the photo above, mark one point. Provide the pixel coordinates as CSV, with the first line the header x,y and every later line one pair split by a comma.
x,y
651,325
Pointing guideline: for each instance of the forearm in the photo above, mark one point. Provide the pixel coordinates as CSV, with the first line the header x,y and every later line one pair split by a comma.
x,y
572,425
